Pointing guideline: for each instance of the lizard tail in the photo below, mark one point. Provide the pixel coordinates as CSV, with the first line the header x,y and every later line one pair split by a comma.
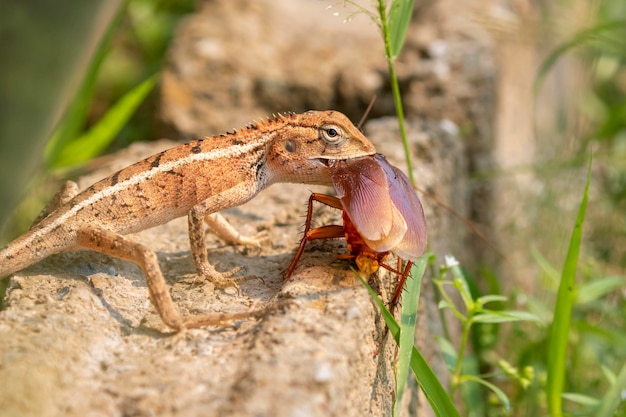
x,y
28,249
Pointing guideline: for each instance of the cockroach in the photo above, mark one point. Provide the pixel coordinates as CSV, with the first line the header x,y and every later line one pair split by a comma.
x,y
381,214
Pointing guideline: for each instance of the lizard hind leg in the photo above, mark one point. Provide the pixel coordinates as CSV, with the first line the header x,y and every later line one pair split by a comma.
x,y
116,245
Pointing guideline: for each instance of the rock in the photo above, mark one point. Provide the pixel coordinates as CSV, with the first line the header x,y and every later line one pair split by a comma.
x,y
235,60
79,336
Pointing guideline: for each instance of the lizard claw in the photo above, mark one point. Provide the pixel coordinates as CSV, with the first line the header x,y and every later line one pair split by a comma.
x,y
221,280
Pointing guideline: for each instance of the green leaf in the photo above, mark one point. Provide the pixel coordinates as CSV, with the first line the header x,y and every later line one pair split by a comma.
x,y
581,399
578,39
550,272
610,334
436,395
559,335
614,397
449,353
608,374
75,116
490,298
499,393
460,283
96,140
410,302
598,288
504,316
539,308
399,19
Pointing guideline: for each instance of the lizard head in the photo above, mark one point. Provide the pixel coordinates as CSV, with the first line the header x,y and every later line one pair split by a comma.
x,y
302,149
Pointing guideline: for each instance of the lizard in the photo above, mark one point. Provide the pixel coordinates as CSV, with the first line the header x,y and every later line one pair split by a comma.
x,y
197,179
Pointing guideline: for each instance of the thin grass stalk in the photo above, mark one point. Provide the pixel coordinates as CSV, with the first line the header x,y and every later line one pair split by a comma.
x,y
395,87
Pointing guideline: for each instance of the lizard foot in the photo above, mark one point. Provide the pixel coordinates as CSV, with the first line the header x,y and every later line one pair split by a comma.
x,y
221,280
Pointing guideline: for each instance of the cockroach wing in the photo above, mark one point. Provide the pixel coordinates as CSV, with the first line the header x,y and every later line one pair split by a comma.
x,y
413,245
363,189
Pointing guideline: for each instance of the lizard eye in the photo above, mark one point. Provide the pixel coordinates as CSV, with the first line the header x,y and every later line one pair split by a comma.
x,y
333,135
290,146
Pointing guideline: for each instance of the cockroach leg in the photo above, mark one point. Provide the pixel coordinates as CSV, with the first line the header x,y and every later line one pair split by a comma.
x,y
323,232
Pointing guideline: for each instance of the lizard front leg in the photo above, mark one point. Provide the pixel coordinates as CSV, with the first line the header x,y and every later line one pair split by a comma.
x,y
113,244
197,240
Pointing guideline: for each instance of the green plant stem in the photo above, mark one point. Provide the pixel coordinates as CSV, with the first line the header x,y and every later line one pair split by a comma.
x,y
466,321
448,300
456,376
395,87
438,297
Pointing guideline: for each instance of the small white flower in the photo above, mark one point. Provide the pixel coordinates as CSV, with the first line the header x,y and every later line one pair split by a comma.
x,y
451,261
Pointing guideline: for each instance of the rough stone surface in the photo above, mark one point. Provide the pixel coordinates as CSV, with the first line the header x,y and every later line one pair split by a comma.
x,y
79,337
237,60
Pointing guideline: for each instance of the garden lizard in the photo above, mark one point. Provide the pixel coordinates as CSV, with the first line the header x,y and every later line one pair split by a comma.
x,y
199,179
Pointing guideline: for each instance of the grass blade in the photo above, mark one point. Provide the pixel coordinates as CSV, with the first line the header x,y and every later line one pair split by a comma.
x,y
504,316
579,39
410,302
551,274
586,401
100,136
614,397
75,116
395,85
436,395
399,19
557,350
597,289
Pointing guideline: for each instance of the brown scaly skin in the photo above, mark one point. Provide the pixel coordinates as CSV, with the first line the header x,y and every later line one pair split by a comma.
x,y
197,179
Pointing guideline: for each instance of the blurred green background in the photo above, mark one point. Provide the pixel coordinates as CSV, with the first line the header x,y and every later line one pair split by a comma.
x,y
78,80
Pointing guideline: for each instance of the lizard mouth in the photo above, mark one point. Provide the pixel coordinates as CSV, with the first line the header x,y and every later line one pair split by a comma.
x,y
323,161
328,160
